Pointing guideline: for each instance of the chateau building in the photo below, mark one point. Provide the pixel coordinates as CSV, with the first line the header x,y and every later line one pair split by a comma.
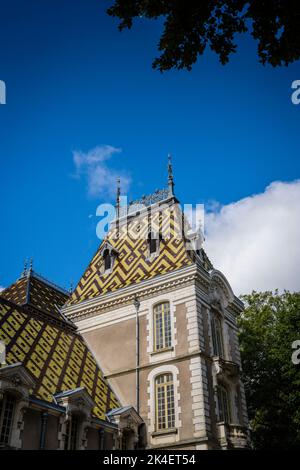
x,y
142,354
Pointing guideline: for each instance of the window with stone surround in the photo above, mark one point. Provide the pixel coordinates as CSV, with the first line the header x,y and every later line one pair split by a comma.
x,y
217,335
162,326
224,414
164,402
71,437
7,406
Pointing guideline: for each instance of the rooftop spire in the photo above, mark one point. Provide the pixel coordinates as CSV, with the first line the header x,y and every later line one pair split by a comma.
x,y
118,198
170,176
30,266
25,268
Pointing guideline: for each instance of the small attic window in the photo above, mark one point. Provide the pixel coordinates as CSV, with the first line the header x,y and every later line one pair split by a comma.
x,y
152,243
109,256
107,260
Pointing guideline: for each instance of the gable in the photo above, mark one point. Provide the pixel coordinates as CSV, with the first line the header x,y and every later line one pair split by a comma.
x,y
17,292
33,290
58,360
132,264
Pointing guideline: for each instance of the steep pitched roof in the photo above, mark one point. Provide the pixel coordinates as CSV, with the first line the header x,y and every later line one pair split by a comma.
x,y
132,264
33,290
58,358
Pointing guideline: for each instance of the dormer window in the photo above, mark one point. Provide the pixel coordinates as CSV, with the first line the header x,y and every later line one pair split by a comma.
x,y
153,244
107,260
7,405
109,254
152,241
71,436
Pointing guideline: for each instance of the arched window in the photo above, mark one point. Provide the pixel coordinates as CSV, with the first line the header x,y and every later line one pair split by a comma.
x,y
162,326
164,402
107,260
71,437
217,335
7,406
223,404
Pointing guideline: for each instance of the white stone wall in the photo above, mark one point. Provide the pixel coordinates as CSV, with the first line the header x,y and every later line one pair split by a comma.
x,y
200,397
198,354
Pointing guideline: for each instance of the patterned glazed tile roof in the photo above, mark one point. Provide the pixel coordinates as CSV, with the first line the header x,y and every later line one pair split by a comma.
x,y
133,264
58,359
35,291
16,292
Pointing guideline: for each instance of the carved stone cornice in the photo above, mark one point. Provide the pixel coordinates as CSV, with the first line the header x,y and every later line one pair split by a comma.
x,y
126,296
16,378
76,401
213,284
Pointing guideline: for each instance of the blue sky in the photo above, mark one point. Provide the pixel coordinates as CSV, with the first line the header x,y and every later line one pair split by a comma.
x,y
74,83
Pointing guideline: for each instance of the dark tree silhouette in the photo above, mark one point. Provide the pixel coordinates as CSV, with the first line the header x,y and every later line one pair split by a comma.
x,y
192,25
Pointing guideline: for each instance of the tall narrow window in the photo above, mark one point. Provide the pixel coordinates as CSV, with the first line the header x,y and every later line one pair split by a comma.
x,y
107,260
217,336
164,402
162,326
223,404
7,406
152,243
71,433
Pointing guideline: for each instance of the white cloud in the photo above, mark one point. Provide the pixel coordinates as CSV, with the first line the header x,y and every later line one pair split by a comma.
x,y
255,241
101,179
1,288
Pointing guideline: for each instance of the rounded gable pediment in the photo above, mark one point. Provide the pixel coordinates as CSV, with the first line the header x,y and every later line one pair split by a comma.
x,y
220,292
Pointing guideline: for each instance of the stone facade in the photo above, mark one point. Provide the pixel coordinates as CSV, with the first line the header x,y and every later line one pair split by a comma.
x,y
40,425
159,320
195,293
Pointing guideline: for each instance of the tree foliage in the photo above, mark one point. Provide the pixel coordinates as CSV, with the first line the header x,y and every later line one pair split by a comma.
x,y
268,327
192,25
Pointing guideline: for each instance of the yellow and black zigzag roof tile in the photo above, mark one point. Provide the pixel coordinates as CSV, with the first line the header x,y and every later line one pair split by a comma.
x,y
132,264
58,358
35,291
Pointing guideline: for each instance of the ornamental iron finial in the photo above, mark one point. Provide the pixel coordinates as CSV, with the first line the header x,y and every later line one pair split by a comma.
x,y
25,267
30,266
170,176
118,197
